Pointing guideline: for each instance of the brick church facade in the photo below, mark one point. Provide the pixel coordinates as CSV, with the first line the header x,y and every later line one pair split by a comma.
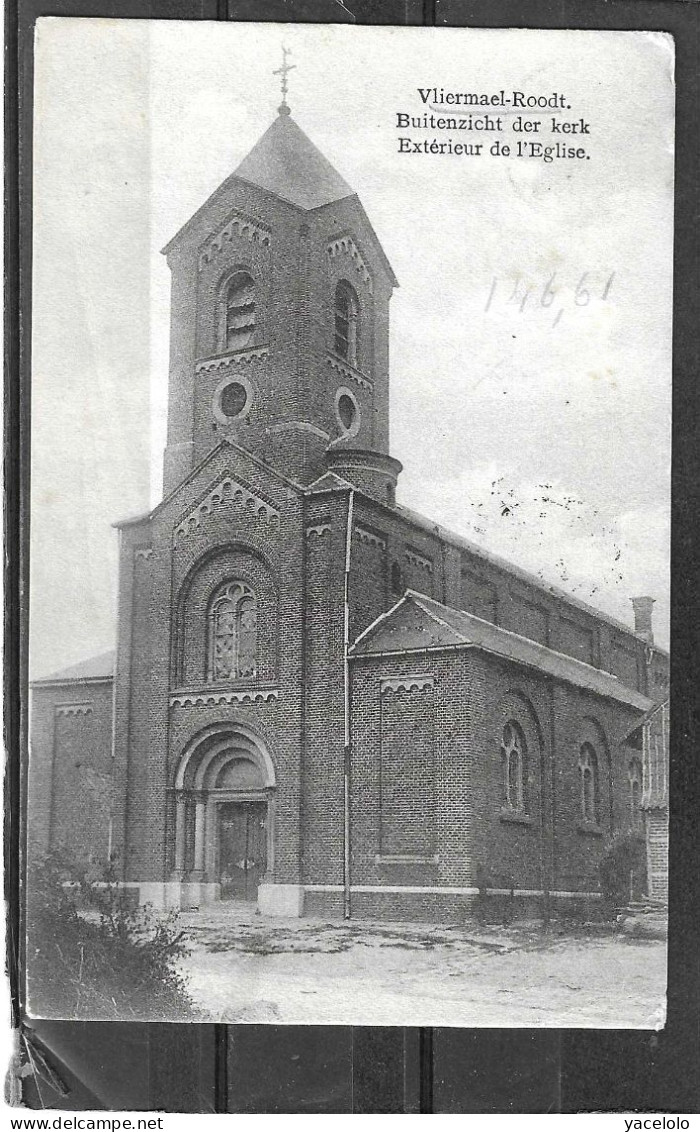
x,y
320,700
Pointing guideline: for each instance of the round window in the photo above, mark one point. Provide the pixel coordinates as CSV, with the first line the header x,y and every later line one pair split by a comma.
x,y
347,412
234,398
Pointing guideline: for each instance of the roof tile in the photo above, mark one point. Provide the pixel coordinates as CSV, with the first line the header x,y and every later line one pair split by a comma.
x,y
285,162
418,622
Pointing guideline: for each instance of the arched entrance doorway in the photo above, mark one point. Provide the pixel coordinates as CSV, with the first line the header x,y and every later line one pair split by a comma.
x,y
224,817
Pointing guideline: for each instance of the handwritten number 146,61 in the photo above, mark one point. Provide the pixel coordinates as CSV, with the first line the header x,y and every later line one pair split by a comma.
x,y
532,296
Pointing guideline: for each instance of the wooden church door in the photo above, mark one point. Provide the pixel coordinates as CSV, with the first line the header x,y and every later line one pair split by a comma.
x,y
242,849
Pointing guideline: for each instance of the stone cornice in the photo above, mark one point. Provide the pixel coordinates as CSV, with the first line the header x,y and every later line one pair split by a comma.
x,y
406,683
73,709
221,363
349,372
228,489
345,245
238,227
212,697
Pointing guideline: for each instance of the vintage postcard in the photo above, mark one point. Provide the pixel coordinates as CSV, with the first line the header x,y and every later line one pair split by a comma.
x,y
350,524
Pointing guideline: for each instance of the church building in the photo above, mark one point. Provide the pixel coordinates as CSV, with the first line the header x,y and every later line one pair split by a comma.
x,y
321,701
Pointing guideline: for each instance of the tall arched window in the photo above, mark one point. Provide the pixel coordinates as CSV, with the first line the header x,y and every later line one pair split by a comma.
x,y
514,755
397,583
233,633
239,311
635,793
589,786
347,319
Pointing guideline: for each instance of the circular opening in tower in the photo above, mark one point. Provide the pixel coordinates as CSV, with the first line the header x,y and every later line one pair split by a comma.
x,y
233,399
347,412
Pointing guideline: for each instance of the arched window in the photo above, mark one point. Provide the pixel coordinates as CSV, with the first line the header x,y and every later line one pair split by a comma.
x,y
239,311
397,586
589,786
233,643
514,755
634,772
347,318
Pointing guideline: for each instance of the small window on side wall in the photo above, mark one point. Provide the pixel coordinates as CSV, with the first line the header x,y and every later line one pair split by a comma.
x,y
514,759
239,312
397,582
589,784
347,318
635,794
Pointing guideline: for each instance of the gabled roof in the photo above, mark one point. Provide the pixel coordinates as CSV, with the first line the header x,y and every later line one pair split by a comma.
x,y
511,568
95,668
134,520
418,623
329,481
287,163
634,736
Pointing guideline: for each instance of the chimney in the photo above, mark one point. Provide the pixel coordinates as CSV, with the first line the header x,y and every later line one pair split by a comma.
x,y
642,607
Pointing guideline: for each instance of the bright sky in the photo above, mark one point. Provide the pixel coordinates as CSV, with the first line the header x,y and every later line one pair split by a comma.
x,y
542,436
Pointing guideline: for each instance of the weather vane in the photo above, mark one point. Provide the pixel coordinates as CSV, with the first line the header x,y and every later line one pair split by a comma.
x,y
284,71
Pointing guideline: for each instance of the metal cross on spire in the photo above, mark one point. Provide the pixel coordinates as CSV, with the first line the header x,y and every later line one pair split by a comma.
x,y
284,71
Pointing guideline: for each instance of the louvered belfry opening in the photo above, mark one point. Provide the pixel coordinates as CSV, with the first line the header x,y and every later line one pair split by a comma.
x,y
240,311
346,320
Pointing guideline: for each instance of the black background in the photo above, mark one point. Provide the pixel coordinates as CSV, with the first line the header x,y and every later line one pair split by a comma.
x,y
277,1069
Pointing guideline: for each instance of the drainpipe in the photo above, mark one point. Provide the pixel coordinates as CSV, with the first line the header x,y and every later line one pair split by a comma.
x,y
549,816
346,694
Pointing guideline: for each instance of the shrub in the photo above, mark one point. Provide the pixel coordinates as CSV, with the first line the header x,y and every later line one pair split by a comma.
x,y
623,869
91,954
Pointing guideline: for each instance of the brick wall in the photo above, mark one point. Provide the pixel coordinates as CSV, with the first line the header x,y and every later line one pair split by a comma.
x,y
324,711
454,575
479,840
233,520
70,770
407,756
296,378
657,853
478,595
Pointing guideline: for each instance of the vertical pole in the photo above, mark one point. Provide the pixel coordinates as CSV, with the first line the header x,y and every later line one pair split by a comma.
x,y
347,727
645,765
180,830
663,752
245,854
199,836
548,808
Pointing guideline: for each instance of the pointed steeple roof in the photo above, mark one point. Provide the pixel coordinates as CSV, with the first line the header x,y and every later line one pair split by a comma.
x,y
285,162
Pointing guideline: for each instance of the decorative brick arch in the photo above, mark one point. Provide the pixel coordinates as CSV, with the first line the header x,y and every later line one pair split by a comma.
x,y
590,730
229,562
206,745
516,707
202,782
244,267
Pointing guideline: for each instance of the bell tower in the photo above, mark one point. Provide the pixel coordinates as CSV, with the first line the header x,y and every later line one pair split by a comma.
x,y
279,334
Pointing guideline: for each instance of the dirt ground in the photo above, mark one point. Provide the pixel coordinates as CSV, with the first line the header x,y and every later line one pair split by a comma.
x,y
243,967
